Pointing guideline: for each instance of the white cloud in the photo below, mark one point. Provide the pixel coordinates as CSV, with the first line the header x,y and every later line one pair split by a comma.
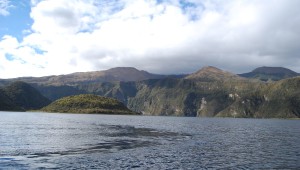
x,y
4,7
168,37
17,59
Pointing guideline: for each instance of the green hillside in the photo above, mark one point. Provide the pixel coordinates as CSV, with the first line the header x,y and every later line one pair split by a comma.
x,y
185,97
20,96
25,96
275,100
87,103
282,98
6,104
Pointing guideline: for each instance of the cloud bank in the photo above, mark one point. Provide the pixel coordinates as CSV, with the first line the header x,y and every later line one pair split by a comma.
x,y
168,37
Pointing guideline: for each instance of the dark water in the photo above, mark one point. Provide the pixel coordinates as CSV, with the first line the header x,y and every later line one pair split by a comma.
x,y
74,141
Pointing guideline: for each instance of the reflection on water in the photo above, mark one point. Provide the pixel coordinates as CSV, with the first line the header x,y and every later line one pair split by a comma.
x,y
99,147
112,145
37,141
133,132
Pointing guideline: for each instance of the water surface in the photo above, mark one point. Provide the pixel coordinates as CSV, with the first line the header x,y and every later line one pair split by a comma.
x,y
72,141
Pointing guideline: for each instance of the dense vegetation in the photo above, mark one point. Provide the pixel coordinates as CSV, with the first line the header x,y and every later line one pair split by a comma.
x,y
87,103
6,104
20,96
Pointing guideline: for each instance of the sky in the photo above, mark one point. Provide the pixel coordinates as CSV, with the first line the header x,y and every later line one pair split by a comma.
x,y
52,37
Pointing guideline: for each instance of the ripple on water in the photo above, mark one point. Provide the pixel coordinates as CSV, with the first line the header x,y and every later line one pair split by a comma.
x,y
38,141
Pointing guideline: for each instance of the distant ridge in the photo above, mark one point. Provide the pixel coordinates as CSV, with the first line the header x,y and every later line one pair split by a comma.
x,y
210,73
131,74
270,73
124,74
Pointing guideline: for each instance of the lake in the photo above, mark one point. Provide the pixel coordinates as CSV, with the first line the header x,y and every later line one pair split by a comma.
x,y
77,141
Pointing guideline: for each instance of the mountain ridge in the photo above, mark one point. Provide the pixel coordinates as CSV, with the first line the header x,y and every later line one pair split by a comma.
x,y
210,73
270,73
207,73
209,92
110,75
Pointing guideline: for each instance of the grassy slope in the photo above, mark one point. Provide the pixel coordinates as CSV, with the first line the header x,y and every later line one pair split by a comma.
x,y
20,96
87,103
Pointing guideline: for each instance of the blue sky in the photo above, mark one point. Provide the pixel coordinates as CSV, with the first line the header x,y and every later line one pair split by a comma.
x,y
18,20
46,37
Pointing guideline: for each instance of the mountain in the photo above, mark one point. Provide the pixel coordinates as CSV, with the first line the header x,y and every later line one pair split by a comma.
x,y
111,75
6,104
20,96
25,96
87,103
186,97
270,73
208,92
210,73
279,99
282,98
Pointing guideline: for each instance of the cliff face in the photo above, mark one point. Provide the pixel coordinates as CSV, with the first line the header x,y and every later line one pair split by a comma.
x,y
276,100
226,99
232,97
189,98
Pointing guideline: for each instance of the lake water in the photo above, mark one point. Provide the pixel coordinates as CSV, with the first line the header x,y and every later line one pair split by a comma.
x,y
77,141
